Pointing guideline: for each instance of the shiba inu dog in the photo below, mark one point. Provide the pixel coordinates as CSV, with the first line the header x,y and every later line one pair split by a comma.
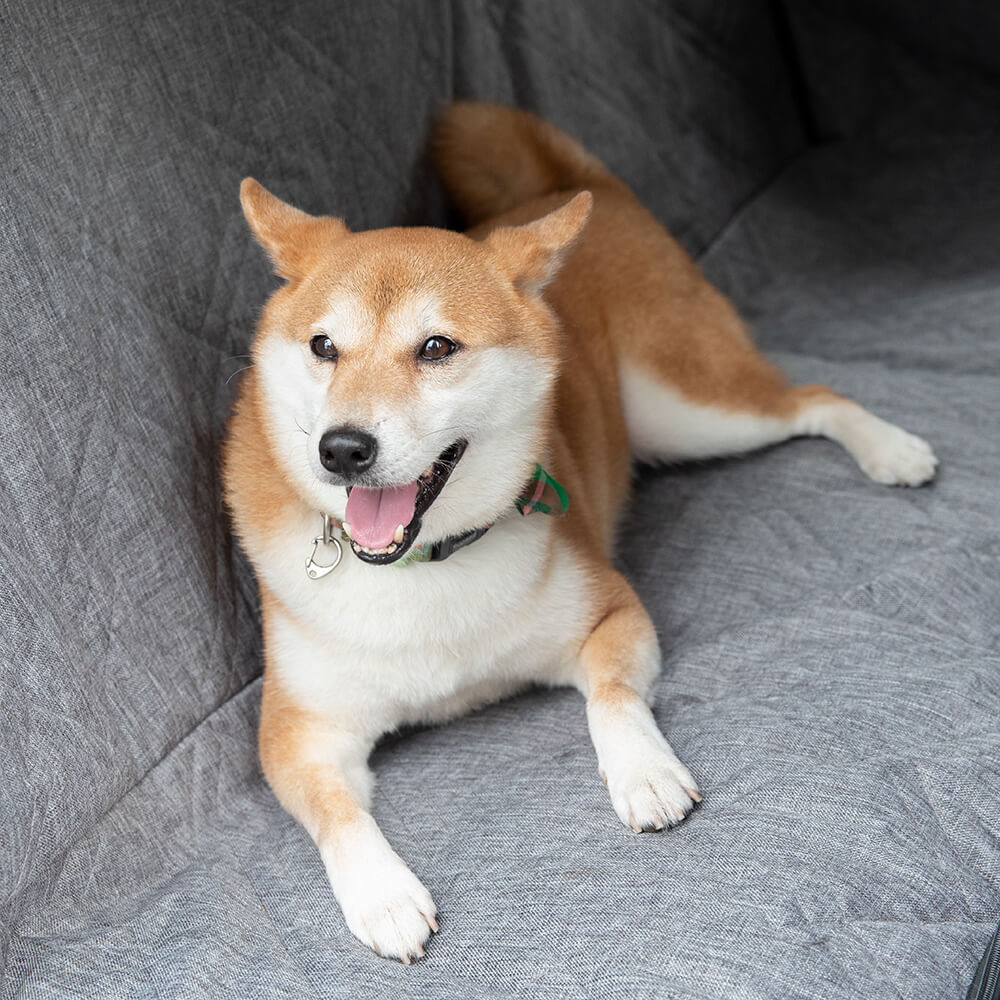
x,y
420,404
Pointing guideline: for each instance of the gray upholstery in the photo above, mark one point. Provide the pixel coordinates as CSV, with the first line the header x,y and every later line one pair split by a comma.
x,y
832,648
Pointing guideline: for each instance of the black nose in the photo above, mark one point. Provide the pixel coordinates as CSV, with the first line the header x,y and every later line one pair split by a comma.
x,y
347,451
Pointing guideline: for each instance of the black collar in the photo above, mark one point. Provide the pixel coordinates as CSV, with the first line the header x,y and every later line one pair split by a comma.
x,y
439,551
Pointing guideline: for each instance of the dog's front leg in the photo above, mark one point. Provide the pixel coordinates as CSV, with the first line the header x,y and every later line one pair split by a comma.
x,y
650,788
318,770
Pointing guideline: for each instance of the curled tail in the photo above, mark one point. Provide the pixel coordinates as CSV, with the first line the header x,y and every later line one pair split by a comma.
x,y
493,158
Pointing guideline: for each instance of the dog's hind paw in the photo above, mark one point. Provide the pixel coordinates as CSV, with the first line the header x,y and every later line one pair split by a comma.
x,y
885,453
898,458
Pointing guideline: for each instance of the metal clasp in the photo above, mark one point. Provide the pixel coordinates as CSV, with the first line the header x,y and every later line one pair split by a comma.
x,y
314,570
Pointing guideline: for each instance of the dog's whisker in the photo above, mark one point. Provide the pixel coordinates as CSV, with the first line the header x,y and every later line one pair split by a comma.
x,y
239,371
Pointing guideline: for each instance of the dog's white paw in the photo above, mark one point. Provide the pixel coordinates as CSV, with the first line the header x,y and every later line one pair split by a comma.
x,y
651,791
384,903
899,458
891,456
649,787
393,914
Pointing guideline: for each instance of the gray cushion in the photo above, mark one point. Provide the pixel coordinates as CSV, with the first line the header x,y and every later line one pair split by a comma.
x,y
831,647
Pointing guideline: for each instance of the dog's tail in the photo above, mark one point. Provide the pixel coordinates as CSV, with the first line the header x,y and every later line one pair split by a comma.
x,y
493,158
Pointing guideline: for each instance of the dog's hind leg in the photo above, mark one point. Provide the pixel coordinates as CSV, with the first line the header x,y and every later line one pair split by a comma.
x,y
738,402
650,788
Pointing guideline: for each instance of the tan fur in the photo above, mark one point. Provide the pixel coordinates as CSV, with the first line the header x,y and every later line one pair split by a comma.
x,y
312,791
612,671
257,499
494,159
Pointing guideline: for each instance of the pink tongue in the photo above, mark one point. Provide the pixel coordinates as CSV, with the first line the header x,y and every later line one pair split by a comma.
x,y
374,515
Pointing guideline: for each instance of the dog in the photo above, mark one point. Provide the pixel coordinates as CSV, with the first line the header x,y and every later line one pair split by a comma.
x,y
429,456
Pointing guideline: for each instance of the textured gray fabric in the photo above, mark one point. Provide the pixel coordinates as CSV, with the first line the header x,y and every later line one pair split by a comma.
x,y
861,61
831,647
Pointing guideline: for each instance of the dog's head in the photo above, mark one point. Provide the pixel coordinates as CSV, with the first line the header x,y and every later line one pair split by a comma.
x,y
406,376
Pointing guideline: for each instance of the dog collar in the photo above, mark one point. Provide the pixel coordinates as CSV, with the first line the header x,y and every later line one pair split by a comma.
x,y
541,495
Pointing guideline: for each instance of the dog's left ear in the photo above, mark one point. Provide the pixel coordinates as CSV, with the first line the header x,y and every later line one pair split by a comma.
x,y
531,255
289,235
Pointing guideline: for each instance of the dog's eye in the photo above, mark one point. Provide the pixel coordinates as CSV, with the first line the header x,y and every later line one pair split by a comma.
x,y
322,347
436,348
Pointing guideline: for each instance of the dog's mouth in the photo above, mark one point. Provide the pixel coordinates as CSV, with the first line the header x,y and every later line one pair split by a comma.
x,y
383,523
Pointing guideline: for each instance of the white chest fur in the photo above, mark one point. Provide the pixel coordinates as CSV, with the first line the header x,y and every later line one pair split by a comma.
x,y
379,646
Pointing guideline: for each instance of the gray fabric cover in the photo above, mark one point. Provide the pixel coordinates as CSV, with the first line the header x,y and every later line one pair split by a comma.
x,y
831,647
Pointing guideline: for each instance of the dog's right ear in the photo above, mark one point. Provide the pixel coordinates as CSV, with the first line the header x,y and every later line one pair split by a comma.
x,y
531,255
289,235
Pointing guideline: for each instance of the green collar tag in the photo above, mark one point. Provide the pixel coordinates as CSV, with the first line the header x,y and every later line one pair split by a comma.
x,y
417,554
547,496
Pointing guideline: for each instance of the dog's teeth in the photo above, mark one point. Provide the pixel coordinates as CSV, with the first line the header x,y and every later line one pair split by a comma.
x,y
398,536
346,527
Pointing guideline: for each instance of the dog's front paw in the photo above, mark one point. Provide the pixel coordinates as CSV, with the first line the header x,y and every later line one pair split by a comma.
x,y
392,913
384,903
650,789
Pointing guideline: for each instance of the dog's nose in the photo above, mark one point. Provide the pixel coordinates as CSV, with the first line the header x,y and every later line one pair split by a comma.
x,y
347,451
